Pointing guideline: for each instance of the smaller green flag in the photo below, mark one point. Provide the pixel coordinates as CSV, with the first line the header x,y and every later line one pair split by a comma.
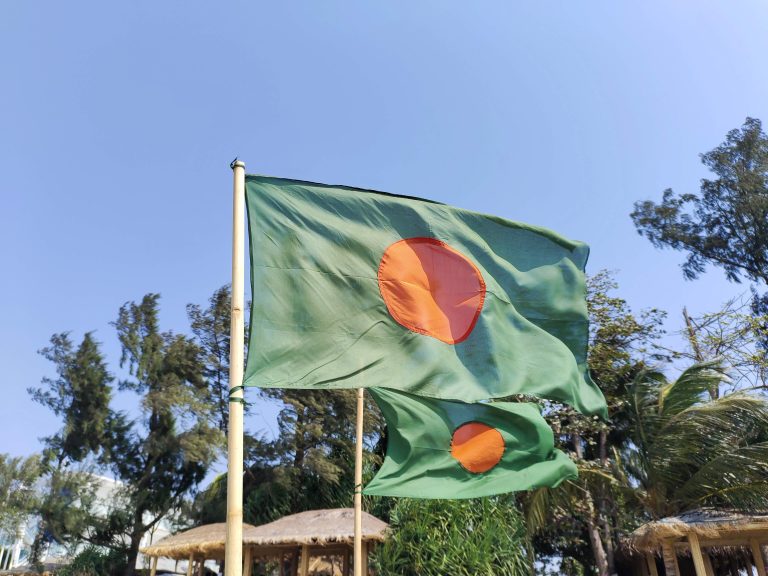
x,y
448,449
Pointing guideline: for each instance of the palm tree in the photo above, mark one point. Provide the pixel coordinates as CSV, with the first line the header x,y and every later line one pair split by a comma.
x,y
681,448
687,449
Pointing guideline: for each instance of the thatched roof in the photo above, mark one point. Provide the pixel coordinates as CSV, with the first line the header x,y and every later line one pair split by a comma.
x,y
319,527
705,523
204,541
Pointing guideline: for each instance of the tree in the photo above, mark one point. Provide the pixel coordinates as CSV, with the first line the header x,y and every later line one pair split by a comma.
x,y
94,561
736,335
159,457
726,224
65,507
685,446
316,442
80,396
308,465
211,329
164,454
18,496
582,521
670,446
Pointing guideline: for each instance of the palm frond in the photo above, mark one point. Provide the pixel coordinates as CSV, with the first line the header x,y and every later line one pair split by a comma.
x,y
644,400
542,505
689,450
691,386
733,478
687,441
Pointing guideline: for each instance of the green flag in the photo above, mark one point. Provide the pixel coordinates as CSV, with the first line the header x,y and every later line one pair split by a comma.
x,y
357,288
445,449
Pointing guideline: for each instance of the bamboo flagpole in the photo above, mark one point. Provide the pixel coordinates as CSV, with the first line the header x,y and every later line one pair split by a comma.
x,y
359,484
233,555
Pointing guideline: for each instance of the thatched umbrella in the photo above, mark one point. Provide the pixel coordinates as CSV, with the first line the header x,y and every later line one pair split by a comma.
x,y
299,536
201,543
312,533
317,527
716,530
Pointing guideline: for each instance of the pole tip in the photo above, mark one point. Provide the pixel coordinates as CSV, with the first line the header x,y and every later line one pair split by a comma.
x,y
236,164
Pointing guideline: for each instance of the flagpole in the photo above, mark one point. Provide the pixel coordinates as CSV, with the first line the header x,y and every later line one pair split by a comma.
x,y
358,555
233,555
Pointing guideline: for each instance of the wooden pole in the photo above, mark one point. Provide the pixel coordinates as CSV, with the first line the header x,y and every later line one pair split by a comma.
x,y
698,559
670,558
153,569
248,561
295,562
651,561
304,566
190,565
358,551
757,555
708,564
233,554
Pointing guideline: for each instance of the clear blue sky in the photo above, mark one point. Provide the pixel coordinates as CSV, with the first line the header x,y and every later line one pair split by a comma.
x,y
118,121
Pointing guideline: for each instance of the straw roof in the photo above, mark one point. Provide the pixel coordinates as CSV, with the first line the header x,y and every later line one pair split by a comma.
x,y
204,541
319,527
706,523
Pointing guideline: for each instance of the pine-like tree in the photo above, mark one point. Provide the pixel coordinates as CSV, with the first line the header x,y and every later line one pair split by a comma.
x,y
164,454
726,223
211,330
79,395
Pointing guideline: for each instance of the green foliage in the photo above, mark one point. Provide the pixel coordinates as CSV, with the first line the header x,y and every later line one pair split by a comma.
x,y
725,224
65,507
79,395
160,457
164,455
18,496
570,567
94,561
309,465
582,521
211,329
620,341
734,334
480,537
688,450
670,446
311,462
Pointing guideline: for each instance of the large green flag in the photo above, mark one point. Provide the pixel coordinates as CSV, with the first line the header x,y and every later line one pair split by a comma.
x,y
446,449
354,288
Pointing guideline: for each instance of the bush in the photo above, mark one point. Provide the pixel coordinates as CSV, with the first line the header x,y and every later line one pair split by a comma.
x,y
95,561
479,537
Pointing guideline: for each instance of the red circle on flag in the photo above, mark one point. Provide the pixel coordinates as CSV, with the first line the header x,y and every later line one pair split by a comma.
x,y
431,288
477,447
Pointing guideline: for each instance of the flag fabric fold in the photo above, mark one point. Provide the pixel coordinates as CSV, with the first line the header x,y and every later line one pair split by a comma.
x,y
447,449
355,288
